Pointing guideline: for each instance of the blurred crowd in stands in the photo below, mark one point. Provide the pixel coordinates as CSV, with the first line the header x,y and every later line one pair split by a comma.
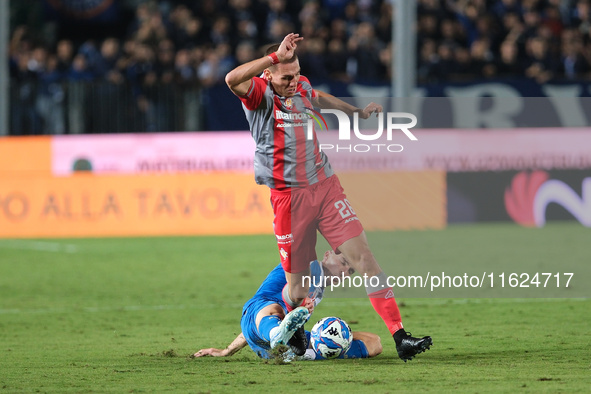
x,y
199,41
195,43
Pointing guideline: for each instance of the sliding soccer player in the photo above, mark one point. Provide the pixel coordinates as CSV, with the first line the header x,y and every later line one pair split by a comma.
x,y
265,324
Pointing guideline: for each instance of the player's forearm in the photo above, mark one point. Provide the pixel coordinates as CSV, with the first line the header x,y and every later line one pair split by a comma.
x,y
247,71
326,100
236,345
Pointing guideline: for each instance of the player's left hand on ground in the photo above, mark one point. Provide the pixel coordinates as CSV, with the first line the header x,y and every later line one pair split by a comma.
x,y
370,109
211,352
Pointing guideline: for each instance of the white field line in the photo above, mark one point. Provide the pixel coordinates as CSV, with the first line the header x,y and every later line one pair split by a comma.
x,y
337,302
127,308
43,246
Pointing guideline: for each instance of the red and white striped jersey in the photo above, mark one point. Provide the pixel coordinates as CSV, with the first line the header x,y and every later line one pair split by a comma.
x,y
284,156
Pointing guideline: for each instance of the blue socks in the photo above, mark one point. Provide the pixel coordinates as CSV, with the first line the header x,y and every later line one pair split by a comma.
x,y
266,324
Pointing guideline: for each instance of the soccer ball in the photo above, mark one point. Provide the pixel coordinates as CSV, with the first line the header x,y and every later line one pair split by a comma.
x,y
331,337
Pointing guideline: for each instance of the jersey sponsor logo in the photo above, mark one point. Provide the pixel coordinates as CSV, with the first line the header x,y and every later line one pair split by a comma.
x,y
284,125
291,115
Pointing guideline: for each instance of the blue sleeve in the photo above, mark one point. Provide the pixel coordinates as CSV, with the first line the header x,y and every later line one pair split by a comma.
x,y
356,350
317,282
273,284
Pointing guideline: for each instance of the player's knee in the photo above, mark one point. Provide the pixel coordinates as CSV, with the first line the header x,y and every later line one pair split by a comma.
x,y
359,255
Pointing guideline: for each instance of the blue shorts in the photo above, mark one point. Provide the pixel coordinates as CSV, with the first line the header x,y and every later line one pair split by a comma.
x,y
249,328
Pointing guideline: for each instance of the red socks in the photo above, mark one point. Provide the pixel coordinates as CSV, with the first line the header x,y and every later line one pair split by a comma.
x,y
289,304
384,303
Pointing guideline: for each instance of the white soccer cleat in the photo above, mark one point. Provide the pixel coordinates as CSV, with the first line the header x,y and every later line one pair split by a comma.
x,y
290,356
281,334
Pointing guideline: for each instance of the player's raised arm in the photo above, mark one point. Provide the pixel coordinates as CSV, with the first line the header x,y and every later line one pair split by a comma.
x,y
238,80
326,100
236,345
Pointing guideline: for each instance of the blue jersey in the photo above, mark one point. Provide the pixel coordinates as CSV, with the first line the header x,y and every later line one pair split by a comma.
x,y
270,293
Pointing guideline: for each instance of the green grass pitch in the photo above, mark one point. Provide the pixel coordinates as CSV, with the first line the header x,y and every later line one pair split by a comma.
x,y
123,315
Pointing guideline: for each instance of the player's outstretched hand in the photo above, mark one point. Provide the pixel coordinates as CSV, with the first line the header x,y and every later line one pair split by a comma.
x,y
309,304
211,352
370,109
288,46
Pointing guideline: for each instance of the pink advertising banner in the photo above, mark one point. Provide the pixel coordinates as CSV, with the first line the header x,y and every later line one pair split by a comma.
x,y
462,150
153,153
448,150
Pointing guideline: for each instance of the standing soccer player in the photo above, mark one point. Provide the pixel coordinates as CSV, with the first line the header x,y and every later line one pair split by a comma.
x,y
306,195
